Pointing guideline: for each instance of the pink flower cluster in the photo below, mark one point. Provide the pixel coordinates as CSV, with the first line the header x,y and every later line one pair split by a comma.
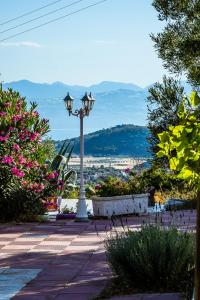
x,y
35,113
16,118
7,160
25,134
34,136
52,175
29,165
16,172
18,105
3,113
21,159
4,138
7,104
35,187
16,147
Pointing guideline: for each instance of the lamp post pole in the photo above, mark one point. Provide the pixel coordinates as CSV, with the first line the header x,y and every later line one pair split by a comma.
x,y
81,214
88,102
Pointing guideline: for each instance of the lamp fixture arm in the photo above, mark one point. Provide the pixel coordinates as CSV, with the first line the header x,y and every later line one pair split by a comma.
x,y
81,113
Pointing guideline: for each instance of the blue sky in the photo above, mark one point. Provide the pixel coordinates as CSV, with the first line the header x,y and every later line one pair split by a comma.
x,y
107,42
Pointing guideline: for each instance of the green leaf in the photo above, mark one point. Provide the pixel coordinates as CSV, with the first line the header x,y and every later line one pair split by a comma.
x,y
161,153
186,173
164,137
194,99
173,163
181,110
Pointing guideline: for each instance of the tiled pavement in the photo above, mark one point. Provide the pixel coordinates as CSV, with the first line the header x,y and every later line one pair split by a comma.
x,y
62,260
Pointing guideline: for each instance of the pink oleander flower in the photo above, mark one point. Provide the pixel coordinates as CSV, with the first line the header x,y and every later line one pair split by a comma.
x,y
35,113
51,176
16,147
16,118
7,104
56,173
16,172
4,138
3,113
7,160
21,159
34,136
29,165
24,135
11,128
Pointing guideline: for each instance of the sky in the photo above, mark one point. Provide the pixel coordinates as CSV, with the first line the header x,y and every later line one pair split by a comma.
x,y
107,42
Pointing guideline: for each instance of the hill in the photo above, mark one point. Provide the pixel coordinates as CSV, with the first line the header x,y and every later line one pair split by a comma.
x,y
127,140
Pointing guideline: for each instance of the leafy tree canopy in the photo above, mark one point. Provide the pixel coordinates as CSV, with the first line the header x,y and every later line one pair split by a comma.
x,y
163,103
178,45
181,143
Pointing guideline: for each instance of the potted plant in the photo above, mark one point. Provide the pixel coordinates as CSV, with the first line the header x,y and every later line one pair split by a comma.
x,y
67,213
62,175
117,197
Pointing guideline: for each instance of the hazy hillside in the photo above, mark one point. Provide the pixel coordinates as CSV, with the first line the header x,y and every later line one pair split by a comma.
x,y
116,103
127,140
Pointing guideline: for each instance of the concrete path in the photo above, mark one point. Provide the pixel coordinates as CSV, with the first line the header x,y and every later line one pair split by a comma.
x,y
62,260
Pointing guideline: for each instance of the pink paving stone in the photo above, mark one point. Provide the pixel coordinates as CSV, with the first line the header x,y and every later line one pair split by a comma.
x,y
18,247
41,290
94,288
31,297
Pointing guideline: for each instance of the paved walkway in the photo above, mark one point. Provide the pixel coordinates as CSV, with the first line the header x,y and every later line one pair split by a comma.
x,y
62,260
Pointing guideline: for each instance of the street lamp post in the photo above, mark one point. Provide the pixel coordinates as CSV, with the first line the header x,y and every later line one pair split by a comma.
x,y
87,105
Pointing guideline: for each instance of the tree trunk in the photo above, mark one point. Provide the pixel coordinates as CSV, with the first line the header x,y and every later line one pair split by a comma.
x,y
197,263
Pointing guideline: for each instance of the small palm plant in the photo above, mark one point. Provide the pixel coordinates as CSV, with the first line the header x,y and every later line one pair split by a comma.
x,y
60,164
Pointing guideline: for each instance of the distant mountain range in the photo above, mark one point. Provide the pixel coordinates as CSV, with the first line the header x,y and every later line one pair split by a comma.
x,y
116,103
127,140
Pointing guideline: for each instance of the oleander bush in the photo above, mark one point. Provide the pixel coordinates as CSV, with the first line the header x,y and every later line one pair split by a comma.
x,y
25,178
153,259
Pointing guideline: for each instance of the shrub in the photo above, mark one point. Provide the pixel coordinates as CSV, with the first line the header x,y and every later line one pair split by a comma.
x,y
24,177
23,206
153,259
116,187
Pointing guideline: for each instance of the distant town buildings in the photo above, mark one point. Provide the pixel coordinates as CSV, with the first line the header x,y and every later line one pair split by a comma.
x,y
120,163
99,168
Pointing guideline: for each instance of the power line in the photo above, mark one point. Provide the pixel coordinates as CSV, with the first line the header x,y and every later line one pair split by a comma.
x,y
53,20
30,12
42,16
